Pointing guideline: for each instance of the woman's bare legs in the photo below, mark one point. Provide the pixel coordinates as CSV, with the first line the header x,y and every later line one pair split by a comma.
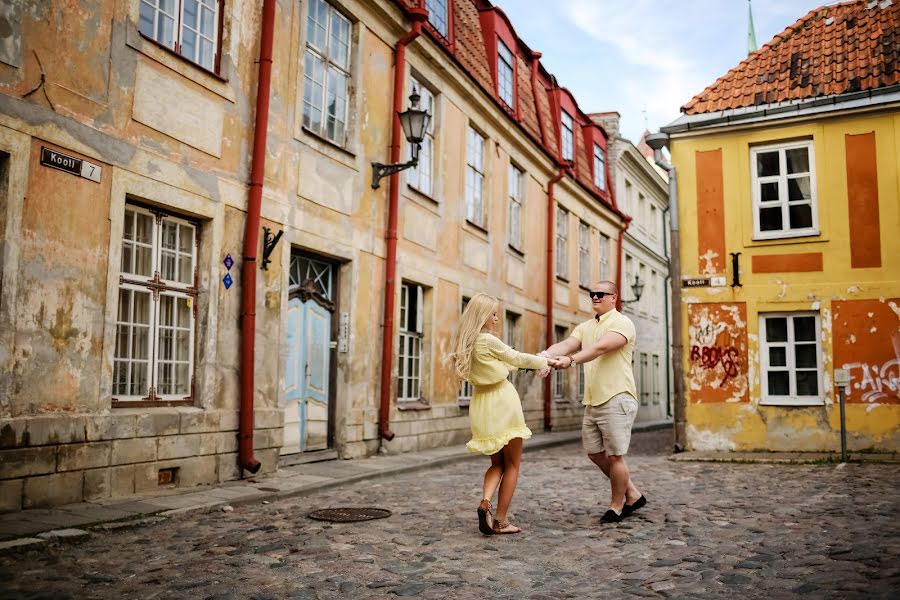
x,y
493,476
512,457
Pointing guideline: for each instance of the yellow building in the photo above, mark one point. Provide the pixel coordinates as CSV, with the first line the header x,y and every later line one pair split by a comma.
x,y
788,171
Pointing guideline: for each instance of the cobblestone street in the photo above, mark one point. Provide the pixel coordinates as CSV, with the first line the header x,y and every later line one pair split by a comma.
x,y
708,531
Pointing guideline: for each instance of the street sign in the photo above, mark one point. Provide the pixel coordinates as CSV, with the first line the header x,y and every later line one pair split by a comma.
x,y
70,164
695,282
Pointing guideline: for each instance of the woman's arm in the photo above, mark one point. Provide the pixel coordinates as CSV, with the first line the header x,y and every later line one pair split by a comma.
x,y
521,360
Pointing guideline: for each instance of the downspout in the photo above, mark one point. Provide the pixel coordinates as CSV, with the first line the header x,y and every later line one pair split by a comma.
x,y
666,284
418,16
626,221
551,239
657,142
251,241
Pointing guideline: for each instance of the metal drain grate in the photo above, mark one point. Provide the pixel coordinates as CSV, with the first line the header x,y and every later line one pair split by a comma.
x,y
348,515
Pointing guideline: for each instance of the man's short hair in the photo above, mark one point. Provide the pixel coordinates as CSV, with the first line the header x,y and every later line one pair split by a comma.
x,y
615,290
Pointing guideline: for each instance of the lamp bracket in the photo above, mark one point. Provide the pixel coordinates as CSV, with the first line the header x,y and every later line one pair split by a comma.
x,y
380,170
269,243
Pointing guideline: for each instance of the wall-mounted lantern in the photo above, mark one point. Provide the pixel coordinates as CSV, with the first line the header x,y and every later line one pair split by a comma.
x,y
637,288
415,124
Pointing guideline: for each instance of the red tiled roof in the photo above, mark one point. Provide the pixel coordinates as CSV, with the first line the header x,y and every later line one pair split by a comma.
x,y
836,49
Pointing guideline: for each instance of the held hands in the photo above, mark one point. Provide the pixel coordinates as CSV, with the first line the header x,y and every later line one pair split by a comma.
x,y
553,362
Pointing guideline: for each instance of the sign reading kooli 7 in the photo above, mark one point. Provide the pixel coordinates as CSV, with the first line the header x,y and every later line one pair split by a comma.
x,y
70,164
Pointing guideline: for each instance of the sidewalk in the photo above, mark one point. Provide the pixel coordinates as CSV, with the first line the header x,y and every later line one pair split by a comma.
x,y
67,522
793,458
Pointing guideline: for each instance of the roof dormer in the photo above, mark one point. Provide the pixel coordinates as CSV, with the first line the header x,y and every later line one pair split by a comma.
x,y
501,49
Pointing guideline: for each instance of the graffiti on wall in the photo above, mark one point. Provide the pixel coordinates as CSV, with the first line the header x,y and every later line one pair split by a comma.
x,y
867,343
717,359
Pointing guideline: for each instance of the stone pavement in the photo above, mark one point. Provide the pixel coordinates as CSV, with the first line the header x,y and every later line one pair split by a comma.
x,y
710,530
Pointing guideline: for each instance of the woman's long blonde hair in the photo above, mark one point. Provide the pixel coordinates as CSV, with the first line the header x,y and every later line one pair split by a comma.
x,y
476,314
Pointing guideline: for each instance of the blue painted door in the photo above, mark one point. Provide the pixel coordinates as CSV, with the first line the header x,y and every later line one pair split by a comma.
x,y
307,370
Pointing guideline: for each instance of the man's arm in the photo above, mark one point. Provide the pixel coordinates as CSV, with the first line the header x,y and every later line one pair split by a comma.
x,y
567,346
608,342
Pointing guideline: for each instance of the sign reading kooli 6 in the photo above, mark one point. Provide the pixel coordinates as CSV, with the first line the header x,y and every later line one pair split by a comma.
x,y
70,164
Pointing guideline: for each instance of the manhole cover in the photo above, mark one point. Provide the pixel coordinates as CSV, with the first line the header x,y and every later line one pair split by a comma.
x,y
348,515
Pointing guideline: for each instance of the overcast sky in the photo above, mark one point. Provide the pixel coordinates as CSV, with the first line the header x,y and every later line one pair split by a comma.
x,y
636,55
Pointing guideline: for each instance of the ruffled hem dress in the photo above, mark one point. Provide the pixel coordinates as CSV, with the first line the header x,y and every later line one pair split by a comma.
x,y
495,411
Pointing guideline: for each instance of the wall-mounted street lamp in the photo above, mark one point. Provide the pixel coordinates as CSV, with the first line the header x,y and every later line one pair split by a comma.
x,y
637,288
415,123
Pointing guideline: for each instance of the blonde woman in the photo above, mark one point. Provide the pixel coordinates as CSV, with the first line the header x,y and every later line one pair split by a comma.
x,y
495,411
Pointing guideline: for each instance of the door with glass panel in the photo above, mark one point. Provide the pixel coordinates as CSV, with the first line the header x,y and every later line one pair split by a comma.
x,y
308,409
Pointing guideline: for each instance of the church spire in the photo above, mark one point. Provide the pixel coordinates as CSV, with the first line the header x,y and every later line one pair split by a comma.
x,y
751,32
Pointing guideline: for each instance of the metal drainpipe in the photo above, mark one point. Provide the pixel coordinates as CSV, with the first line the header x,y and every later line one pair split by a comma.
x,y
418,16
666,283
551,218
251,241
675,274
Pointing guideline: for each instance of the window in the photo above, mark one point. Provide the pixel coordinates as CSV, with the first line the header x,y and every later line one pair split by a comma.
x,y
790,358
654,392
599,167
438,16
559,375
422,175
580,381
654,222
187,27
410,349
654,294
155,326
326,72
784,191
629,198
511,330
562,243
645,381
568,137
516,183
475,178
642,274
465,389
584,254
642,212
604,257
505,63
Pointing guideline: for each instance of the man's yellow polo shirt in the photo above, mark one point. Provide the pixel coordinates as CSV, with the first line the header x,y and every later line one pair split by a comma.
x,y
611,373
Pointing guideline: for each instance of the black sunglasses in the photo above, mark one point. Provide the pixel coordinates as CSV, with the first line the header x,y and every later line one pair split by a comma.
x,y
600,295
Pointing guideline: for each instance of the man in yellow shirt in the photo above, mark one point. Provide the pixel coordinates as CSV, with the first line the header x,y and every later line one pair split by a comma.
x,y
604,345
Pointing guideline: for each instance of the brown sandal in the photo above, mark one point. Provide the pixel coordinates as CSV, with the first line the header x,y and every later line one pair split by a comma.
x,y
486,522
500,526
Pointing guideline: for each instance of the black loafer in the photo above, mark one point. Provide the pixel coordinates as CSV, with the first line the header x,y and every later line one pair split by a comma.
x,y
630,508
610,516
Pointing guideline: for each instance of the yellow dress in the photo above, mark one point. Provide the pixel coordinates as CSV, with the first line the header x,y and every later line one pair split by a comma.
x,y
495,411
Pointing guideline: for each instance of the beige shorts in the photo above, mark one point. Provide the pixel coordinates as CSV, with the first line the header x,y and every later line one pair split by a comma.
x,y
607,428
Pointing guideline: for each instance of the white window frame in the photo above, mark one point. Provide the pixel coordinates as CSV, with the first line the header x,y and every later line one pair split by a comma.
x,y
475,209
157,287
604,257
559,375
411,345
656,387
792,399
466,389
599,167
584,254
326,56
511,332
644,378
782,180
421,176
150,14
506,87
439,16
567,137
562,243
515,183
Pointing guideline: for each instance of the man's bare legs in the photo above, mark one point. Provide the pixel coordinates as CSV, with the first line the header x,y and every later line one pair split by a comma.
x,y
616,469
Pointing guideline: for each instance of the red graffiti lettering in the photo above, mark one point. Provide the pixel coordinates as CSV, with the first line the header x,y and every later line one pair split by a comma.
x,y
710,357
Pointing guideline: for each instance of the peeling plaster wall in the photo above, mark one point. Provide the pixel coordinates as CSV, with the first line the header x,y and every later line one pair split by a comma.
x,y
860,326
